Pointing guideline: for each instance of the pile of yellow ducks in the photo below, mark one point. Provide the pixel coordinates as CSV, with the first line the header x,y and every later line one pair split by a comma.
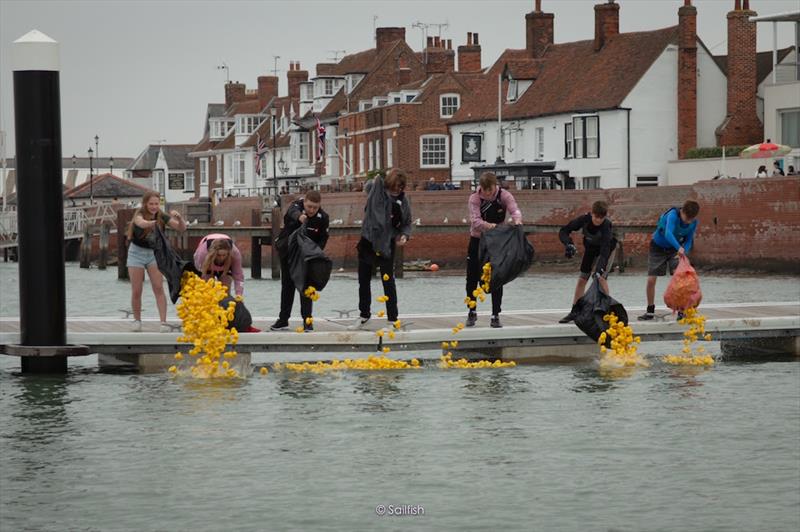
x,y
623,351
696,330
205,327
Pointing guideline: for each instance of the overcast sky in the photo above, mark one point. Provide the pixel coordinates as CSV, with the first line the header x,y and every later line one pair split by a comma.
x,y
138,72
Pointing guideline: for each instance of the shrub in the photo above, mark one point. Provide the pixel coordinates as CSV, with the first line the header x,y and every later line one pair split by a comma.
x,y
714,151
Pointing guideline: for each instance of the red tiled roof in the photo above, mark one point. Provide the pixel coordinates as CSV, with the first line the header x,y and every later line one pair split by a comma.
x,y
247,107
204,145
360,62
106,186
228,142
336,104
571,77
763,62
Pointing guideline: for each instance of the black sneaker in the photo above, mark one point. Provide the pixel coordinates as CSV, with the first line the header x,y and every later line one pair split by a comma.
x,y
681,315
308,327
568,318
649,315
495,322
472,318
279,325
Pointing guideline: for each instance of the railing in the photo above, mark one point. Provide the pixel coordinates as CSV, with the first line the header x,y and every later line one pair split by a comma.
x,y
75,222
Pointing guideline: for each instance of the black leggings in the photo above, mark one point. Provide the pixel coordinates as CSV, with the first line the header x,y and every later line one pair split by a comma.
x,y
366,261
474,271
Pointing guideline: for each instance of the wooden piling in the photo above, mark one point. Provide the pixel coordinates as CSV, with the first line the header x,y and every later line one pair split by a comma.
x,y
104,237
86,248
276,228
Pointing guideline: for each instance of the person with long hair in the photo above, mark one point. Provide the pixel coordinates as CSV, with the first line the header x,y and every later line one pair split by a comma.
x,y
217,256
141,237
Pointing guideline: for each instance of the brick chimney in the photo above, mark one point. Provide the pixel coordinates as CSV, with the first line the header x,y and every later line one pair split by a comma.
x,y
606,23
384,37
439,56
294,77
469,55
687,78
538,31
234,92
267,89
741,125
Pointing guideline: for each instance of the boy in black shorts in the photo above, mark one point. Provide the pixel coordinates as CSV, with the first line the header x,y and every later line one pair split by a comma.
x,y
598,242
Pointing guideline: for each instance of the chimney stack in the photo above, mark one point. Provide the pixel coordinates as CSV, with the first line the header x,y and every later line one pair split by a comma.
x,y
438,57
687,78
294,77
267,89
741,125
384,37
538,31
469,55
234,92
606,23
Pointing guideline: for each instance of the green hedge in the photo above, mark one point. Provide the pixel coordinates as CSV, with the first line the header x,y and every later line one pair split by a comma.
x,y
714,151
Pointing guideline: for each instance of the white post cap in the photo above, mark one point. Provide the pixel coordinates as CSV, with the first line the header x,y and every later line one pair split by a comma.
x,y
35,51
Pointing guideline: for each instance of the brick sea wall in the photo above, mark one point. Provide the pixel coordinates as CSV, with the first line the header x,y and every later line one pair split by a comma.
x,y
744,223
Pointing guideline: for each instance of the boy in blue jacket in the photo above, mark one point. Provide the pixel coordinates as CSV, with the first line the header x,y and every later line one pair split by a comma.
x,y
673,237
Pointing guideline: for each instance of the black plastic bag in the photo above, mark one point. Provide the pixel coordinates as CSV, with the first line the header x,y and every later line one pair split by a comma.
x,y
590,309
308,264
242,320
509,252
170,264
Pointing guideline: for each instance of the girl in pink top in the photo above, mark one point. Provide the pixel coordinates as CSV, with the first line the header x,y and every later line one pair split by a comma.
x,y
218,256
489,206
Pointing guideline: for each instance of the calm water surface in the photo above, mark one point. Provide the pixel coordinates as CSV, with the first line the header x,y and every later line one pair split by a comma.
x,y
528,448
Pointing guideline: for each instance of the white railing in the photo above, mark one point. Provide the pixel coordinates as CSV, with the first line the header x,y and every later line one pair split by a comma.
x,y
75,221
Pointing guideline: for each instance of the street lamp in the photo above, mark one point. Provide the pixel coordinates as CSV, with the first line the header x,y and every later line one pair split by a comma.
x,y
91,180
273,113
97,146
111,165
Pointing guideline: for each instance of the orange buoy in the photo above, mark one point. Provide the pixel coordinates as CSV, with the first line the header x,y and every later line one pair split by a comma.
x,y
434,267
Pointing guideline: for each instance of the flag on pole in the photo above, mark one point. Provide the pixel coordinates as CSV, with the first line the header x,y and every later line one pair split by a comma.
x,y
320,140
261,149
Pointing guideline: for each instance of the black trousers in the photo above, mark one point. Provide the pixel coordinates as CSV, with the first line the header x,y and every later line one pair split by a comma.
x,y
287,294
367,260
474,271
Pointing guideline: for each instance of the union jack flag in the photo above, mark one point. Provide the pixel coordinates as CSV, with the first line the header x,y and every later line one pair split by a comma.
x,y
320,140
261,149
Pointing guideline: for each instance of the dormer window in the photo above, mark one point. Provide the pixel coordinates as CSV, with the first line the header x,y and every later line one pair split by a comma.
x,y
448,105
513,91
220,128
247,124
329,87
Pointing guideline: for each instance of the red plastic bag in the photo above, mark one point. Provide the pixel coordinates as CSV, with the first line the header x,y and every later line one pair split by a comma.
x,y
683,291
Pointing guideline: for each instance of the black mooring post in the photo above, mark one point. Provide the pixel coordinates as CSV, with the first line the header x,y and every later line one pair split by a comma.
x,y
40,202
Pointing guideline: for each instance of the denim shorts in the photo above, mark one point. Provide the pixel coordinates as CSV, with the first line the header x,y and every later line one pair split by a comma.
x,y
139,257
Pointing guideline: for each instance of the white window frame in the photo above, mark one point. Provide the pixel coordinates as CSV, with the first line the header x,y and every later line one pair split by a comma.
x,y
203,172
449,104
300,151
188,181
377,153
371,158
539,143
585,145
328,87
425,148
593,180
513,91
784,113
361,169
389,153
351,159
569,152
239,169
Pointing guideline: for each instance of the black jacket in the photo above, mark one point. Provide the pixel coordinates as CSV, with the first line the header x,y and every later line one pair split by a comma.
x,y
317,226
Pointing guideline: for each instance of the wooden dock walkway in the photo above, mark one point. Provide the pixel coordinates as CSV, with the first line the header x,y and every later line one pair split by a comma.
x,y
522,330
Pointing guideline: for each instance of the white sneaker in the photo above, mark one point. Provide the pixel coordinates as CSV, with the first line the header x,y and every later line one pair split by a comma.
x,y
360,323
165,328
136,326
